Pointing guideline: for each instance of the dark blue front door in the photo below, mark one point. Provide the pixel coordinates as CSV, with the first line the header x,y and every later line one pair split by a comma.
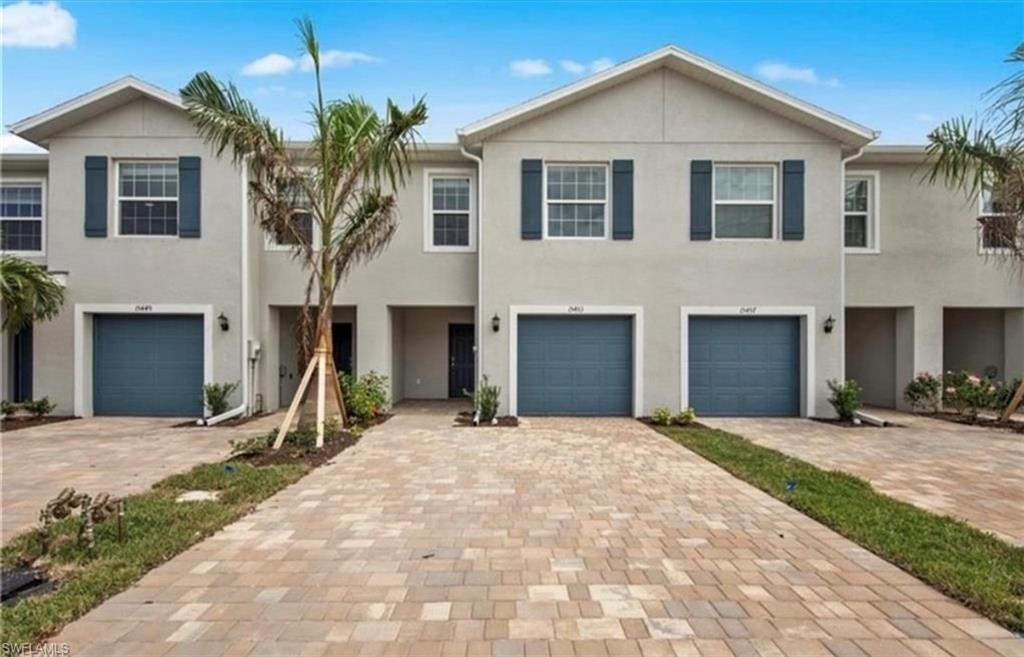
x,y
575,365
148,365
460,359
745,366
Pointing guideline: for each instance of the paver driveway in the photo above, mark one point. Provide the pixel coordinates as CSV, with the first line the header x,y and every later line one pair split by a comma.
x,y
119,456
967,472
585,537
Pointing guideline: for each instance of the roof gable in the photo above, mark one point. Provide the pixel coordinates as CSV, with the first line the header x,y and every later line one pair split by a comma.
x,y
847,132
40,127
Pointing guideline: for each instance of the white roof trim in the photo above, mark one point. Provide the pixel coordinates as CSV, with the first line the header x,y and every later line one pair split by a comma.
x,y
855,132
128,82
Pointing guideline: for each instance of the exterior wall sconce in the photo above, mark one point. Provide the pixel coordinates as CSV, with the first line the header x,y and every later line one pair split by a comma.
x,y
222,319
495,323
830,323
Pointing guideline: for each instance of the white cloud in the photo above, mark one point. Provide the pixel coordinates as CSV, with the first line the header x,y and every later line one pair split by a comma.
x,y
529,68
36,25
337,59
272,64
577,68
571,66
14,144
782,72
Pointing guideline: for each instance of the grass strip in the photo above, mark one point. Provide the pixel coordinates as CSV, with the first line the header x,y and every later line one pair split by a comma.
x,y
157,529
976,568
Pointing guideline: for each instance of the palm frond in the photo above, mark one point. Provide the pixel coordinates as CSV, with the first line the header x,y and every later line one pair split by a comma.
x,y
28,293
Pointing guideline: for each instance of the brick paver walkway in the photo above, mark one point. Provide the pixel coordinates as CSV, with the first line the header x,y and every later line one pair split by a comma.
x,y
561,537
967,472
119,456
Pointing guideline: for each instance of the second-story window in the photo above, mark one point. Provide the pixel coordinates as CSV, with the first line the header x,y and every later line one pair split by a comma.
x,y
577,200
301,228
21,217
744,201
448,224
147,198
998,229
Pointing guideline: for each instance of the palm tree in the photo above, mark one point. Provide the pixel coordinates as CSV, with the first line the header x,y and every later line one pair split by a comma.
x,y
28,293
987,156
345,180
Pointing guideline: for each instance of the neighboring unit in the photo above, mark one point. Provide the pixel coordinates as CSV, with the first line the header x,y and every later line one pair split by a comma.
x,y
664,233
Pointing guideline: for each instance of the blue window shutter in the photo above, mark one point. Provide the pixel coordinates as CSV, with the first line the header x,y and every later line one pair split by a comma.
x,y
532,199
700,200
188,196
622,199
95,196
793,200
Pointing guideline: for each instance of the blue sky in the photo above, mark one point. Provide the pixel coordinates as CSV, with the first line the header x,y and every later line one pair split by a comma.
x,y
897,67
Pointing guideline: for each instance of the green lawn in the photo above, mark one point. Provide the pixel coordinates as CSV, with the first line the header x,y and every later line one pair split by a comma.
x,y
983,572
157,529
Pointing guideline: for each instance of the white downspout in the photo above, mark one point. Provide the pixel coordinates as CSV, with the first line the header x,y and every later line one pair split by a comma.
x,y
842,258
479,270
244,377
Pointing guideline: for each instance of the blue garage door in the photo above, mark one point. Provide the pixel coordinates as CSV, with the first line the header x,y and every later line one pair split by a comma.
x,y
745,365
148,365
575,366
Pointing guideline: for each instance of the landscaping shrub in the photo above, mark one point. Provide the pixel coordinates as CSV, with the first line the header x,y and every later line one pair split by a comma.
x,y
1004,394
486,399
217,397
845,398
924,393
662,416
968,394
685,417
37,407
366,396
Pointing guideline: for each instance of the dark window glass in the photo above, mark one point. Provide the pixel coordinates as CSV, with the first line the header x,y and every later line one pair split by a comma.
x,y
21,235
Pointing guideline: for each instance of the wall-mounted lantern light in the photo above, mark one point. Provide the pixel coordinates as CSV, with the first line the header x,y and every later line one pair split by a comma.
x,y
496,323
830,323
222,319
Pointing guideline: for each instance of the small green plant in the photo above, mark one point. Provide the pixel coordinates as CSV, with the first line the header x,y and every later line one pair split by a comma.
x,y
924,393
685,417
302,440
37,407
7,408
217,396
662,416
845,398
486,400
1004,394
366,396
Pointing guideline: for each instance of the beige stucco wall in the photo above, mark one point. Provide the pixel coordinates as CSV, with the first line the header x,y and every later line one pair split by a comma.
x,y
662,122
138,270
929,261
424,350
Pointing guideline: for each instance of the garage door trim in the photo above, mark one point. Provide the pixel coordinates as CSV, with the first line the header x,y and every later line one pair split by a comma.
x,y
636,312
807,324
83,340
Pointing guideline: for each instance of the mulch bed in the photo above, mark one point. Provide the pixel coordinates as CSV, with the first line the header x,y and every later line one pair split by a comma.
x,y
988,423
233,422
289,454
465,419
15,423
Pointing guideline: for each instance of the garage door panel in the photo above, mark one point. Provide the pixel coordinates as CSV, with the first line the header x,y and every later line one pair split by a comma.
x,y
587,367
148,365
744,365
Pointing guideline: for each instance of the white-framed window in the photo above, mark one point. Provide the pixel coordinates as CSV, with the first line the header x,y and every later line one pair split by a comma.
x,y
302,223
22,216
998,230
449,207
147,198
861,220
745,199
576,201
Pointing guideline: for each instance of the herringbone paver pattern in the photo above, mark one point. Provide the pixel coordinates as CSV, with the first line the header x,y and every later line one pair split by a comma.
x,y
560,537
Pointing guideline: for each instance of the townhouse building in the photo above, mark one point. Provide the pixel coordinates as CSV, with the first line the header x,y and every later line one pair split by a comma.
x,y
664,233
